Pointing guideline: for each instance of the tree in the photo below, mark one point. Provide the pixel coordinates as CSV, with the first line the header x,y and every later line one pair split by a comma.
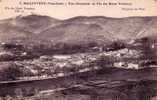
x,y
105,61
11,72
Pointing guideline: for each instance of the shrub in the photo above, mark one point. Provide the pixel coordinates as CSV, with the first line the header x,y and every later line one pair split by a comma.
x,y
11,72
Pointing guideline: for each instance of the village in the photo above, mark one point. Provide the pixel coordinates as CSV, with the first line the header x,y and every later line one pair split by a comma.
x,y
62,65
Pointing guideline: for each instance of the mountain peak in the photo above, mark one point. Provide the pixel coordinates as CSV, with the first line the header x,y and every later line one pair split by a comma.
x,y
34,17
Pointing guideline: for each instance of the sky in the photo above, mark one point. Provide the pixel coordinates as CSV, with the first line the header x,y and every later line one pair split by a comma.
x,y
137,8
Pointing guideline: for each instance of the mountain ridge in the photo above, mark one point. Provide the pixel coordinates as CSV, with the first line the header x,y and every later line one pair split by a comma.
x,y
73,29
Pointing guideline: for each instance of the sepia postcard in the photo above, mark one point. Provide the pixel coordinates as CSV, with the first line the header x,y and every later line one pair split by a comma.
x,y
78,49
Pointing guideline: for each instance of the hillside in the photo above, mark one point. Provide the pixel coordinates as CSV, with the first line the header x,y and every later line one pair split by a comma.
x,y
76,30
34,35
